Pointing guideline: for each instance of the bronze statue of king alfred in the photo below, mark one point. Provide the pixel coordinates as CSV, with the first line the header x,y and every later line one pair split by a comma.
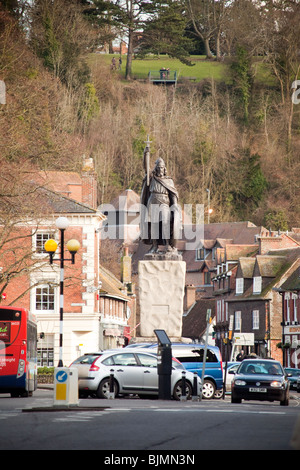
x,y
160,215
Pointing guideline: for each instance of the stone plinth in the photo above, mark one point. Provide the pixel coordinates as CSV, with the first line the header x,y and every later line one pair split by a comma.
x,y
161,288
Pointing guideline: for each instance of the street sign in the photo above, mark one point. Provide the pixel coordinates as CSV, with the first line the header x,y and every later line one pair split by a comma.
x,y
244,339
208,315
61,376
231,319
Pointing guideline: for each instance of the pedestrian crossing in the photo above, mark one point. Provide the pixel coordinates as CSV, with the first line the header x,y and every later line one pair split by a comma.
x,y
77,417
7,414
84,416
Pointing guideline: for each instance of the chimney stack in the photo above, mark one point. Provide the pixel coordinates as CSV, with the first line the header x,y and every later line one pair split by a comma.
x,y
89,183
190,296
126,267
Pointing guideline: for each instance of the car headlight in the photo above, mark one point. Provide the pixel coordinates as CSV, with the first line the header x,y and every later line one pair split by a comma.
x,y
240,382
276,384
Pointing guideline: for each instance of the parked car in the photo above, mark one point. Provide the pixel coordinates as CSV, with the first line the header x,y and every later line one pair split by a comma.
x,y
292,375
298,385
134,370
191,356
230,372
260,380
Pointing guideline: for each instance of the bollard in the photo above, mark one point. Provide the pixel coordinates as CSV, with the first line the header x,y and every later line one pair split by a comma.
x,y
111,394
183,387
195,396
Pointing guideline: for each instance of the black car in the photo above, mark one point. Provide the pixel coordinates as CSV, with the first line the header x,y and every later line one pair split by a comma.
x,y
293,376
260,379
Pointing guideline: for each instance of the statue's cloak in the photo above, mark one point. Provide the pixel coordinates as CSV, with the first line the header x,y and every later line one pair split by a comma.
x,y
145,223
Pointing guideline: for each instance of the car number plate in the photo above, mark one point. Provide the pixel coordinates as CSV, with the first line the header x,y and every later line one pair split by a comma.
x,y
253,389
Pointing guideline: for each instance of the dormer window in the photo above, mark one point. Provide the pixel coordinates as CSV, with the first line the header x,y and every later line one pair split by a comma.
x,y
239,285
257,285
200,254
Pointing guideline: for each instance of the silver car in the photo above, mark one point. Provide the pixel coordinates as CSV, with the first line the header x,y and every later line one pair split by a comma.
x,y
134,372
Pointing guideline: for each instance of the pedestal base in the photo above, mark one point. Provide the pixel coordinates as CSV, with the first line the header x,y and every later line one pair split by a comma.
x,y
161,288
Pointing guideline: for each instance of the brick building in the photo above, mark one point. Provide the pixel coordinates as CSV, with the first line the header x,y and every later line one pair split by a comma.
x,y
289,291
89,322
246,294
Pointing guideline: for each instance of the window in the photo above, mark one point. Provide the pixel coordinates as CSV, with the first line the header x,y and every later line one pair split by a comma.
x,y
147,361
237,320
219,309
255,319
124,360
239,286
40,240
295,297
199,254
196,356
257,285
287,299
45,351
206,278
44,298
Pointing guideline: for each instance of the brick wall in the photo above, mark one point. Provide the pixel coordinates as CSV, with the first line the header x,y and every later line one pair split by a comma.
x,y
268,243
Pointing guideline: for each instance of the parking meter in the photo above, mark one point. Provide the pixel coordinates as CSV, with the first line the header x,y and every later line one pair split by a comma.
x,y
164,365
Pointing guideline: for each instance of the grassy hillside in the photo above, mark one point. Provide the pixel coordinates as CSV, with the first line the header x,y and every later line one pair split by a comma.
x,y
198,130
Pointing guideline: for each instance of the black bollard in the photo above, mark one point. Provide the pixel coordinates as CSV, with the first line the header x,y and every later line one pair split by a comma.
x,y
183,387
195,396
111,394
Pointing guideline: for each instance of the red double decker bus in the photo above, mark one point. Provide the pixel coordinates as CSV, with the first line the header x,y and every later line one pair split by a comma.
x,y
18,352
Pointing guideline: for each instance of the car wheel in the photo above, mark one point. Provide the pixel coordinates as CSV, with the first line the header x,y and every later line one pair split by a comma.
x,y
218,394
104,388
208,390
177,393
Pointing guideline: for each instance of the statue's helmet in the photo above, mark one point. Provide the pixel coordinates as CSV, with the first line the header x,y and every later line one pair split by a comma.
x,y
160,162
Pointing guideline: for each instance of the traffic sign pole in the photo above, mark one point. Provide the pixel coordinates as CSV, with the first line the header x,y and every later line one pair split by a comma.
x,y
208,322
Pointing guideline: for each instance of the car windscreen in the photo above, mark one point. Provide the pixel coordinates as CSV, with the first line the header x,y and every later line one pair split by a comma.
x,y
260,367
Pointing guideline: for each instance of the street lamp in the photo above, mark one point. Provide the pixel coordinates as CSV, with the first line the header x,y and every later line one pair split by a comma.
x,y
50,246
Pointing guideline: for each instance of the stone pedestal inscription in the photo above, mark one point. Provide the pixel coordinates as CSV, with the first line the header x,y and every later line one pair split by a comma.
x,y
161,288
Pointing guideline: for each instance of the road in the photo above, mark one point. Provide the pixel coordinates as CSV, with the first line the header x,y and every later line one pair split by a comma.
x,y
151,426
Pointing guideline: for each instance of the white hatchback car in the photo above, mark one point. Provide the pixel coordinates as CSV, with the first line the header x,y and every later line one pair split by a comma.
x,y
134,372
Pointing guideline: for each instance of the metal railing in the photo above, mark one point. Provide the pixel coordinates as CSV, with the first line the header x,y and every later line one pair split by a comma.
x,y
162,75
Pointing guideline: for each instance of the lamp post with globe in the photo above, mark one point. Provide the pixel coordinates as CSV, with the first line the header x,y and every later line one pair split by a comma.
x,y
73,246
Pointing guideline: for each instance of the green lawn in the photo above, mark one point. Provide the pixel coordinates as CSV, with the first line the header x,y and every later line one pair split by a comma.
x,y
201,69
140,68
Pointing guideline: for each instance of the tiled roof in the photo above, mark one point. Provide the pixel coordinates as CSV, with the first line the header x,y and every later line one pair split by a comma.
x,y
57,203
293,281
111,286
234,252
247,266
58,180
269,265
194,324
